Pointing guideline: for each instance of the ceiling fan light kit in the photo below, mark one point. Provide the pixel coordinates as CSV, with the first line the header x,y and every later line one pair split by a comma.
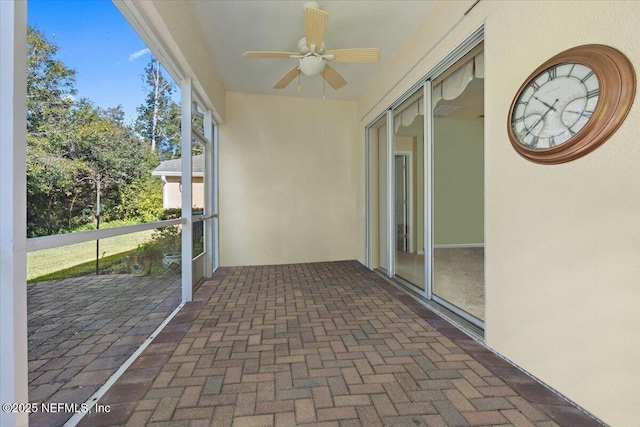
x,y
311,66
312,56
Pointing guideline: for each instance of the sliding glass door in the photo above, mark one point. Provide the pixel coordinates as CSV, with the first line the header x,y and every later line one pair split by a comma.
x,y
458,188
426,187
408,175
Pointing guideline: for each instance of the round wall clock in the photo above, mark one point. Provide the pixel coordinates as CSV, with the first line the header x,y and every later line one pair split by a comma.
x,y
571,104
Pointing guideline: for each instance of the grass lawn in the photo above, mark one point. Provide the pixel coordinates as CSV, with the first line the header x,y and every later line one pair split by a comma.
x,y
47,261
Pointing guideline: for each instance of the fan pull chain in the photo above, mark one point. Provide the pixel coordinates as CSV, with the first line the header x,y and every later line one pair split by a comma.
x,y
299,81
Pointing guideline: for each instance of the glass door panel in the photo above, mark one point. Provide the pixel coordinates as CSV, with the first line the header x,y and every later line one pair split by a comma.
x,y
378,194
408,187
458,189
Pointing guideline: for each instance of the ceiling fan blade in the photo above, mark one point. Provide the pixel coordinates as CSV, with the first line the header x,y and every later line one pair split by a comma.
x,y
267,54
315,23
364,55
332,77
287,78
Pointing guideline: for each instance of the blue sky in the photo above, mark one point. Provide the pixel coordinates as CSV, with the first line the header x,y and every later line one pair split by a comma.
x,y
94,39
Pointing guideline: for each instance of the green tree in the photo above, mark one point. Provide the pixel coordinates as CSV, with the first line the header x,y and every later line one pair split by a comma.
x,y
70,141
158,119
142,199
50,174
50,85
105,145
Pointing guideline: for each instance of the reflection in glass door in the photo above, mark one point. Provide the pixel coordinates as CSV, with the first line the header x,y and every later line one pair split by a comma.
x,y
401,171
408,143
458,188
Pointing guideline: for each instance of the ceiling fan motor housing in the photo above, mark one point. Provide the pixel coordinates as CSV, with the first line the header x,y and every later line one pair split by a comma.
x,y
311,5
304,49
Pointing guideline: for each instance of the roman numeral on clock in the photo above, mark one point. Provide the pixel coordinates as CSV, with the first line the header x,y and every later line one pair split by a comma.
x,y
587,77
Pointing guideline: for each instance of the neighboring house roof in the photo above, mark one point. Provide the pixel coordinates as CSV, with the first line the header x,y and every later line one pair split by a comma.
x,y
173,167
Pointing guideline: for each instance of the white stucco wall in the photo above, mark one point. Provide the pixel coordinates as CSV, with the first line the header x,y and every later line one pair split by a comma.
x,y
288,180
562,289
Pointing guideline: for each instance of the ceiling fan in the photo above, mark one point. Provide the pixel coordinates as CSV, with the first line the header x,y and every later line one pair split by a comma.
x,y
312,56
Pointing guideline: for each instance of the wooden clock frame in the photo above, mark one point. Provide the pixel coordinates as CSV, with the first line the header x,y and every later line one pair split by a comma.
x,y
617,81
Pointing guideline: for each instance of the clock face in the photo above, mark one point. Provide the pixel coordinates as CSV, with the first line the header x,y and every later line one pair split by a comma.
x,y
555,105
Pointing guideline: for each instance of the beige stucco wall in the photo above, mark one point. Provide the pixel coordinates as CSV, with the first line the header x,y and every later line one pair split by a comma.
x,y
562,268
288,180
172,196
580,220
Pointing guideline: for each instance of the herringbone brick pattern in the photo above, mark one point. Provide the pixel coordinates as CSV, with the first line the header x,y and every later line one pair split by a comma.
x,y
82,329
325,344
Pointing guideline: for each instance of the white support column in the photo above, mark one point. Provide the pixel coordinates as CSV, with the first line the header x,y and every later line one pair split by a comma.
x,y
216,206
187,199
13,205
209,180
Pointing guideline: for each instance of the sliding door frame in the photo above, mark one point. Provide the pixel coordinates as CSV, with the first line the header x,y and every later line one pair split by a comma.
x,y
428,188
370,206
391,197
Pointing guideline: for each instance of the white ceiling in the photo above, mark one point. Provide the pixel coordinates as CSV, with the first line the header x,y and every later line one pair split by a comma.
x,y
233,27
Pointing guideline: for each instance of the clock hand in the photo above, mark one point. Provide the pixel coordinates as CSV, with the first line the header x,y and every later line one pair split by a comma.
x,y
583,113
545,104
542,117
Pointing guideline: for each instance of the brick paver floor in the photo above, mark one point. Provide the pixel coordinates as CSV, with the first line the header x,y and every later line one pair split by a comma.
x,y
325,344
82,329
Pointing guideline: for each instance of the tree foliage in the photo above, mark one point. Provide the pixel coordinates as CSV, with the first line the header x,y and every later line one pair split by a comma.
x,y
158,121
70,142
142,199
